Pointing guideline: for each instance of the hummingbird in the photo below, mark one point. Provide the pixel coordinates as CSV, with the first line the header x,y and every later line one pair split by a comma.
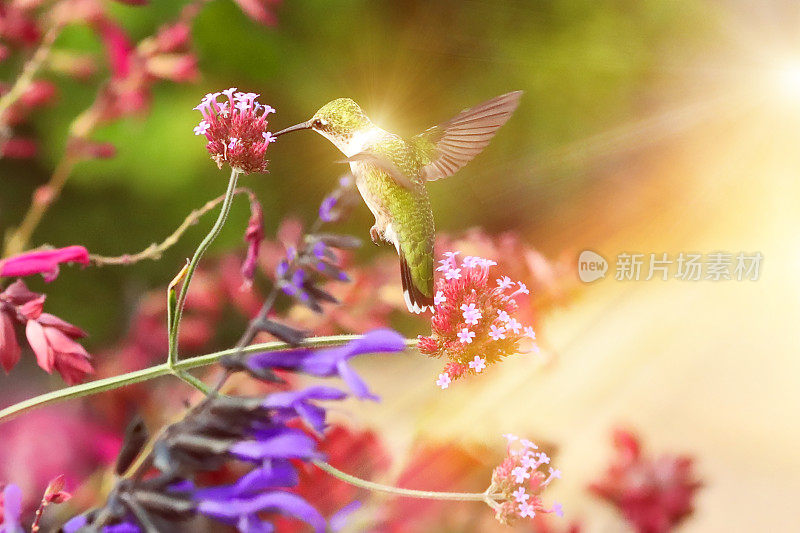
x,y
391,173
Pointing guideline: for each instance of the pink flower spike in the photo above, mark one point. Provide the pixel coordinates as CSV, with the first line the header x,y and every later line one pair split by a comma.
x,y
477,364
43,262
520,495
443,381
465,336
253,236
439,298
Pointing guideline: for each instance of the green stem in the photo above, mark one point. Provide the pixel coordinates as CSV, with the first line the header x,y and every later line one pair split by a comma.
x,y
29,70
172,358
193,381
137,376
411,493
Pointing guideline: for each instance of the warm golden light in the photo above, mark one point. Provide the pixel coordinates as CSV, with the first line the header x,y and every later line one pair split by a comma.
x,y
786,80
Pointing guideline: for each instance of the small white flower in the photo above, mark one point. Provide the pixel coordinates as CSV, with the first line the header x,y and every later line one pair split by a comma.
x,y
497,333
477,364
439,298
466,336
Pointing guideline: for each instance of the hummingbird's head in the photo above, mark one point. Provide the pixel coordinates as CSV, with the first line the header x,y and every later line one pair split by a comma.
x,y
340,121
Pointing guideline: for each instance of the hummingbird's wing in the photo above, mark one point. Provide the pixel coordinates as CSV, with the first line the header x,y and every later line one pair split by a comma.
x,y
463,137
384,164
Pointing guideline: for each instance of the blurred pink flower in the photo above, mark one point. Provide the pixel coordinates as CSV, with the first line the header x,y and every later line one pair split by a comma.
x,y
260,10
18,148
43,262
52,339
47,442
253,236
653,494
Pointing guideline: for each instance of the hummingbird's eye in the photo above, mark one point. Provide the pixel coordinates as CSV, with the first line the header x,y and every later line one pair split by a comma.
x,y
318,123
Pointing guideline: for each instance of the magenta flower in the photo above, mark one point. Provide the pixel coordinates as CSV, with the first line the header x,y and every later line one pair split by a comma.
x,y
44,262
253,236
53,343
236,130
52,339
9,347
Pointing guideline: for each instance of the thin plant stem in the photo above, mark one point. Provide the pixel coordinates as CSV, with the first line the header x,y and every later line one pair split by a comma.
x,y
154,251
30,69
194,382
18,239
174,328
138,376
410,493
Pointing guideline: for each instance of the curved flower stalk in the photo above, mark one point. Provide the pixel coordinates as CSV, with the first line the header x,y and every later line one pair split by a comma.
x,y
473,324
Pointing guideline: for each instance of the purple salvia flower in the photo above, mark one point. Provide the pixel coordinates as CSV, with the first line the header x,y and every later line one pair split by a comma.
x,y
333,361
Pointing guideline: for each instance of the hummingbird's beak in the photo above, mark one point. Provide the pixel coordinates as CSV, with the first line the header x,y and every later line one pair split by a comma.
x,y
302,126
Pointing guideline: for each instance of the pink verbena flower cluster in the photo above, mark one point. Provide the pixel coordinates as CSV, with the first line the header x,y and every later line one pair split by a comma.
x,y
519,480
236,130
51,339
472,323
653,494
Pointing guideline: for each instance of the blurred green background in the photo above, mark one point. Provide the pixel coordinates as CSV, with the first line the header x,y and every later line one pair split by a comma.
x,y
583,65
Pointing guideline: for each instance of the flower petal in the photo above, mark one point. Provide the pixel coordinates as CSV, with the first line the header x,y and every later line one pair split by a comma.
x,y
9,347
288,443
38,341
282,502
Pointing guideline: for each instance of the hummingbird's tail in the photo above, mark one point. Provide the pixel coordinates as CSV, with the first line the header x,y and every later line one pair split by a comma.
x,y
416,300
